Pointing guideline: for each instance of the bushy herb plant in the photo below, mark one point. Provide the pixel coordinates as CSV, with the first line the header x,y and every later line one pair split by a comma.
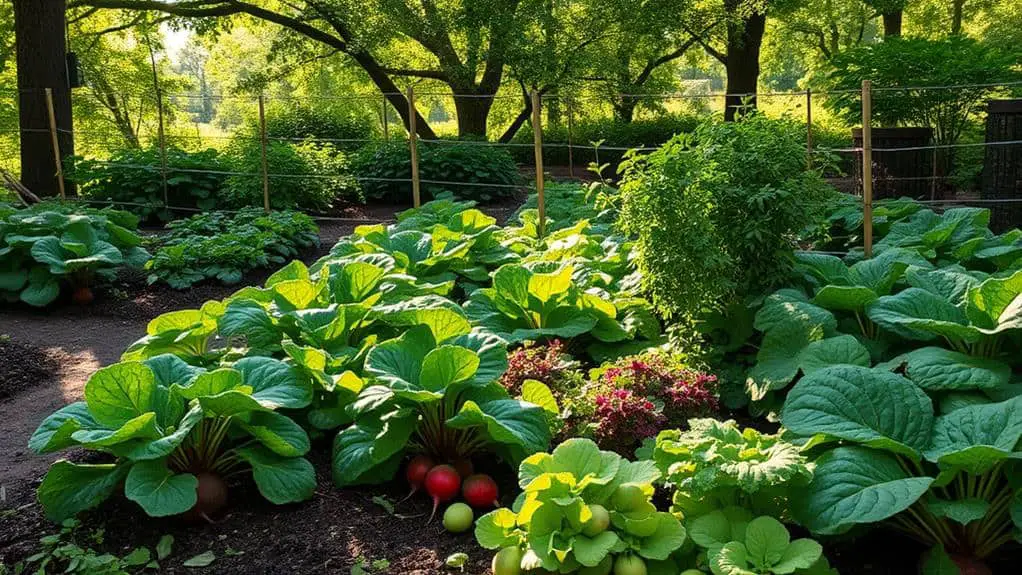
x,y
224,246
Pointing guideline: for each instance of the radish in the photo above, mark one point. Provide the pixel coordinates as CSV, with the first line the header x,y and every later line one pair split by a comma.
x,y
480,491
211,496
507,561
82,295
458,518
629,565
442,484
416,473
464,467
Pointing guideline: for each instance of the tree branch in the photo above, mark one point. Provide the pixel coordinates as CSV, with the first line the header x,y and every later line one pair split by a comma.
x,y
429,74
720,56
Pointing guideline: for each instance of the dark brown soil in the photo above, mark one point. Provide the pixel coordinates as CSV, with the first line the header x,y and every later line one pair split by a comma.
x,y
26,367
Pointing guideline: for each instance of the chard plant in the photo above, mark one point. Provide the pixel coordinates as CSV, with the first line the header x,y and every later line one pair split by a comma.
x,y
583,510
884,456
435,391
175,431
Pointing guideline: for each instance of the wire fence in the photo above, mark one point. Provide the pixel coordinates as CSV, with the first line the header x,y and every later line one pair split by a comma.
x,y
552,135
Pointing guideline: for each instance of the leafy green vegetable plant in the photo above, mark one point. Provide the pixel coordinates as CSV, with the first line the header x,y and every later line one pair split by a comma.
x,y
167,424
47,245
63,552
883,455
581,509
738,544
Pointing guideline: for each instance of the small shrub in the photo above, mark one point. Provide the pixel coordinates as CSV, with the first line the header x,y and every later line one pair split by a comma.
x,y
478,171
634,398
306,176
220,246
135,176
334,125
716,214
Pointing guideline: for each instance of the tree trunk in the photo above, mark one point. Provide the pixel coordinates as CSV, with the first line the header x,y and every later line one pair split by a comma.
x,y
624,109
744,40
956,17
473,110
892,23
42,63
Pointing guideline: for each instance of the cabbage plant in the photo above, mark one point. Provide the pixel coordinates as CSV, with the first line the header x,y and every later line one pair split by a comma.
x,y
884,456
435,391
165,423
584,508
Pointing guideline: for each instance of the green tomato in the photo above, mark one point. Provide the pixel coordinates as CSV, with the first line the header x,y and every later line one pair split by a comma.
x,y
603,568
628,497
507,561
629,565
598,523
458,518
692,572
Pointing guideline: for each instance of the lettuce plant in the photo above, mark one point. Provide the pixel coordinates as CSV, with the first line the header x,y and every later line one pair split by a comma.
x,y
435,392
48,245
714,465
738,544
165,422
582,508
883,455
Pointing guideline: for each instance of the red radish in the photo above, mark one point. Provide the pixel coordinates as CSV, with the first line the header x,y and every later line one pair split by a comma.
x,y
464,467
480,491
442,484
211,496
82,295
416,472
971,565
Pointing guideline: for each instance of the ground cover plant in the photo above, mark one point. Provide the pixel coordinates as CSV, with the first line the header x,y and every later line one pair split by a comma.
x,y
224,246
51,246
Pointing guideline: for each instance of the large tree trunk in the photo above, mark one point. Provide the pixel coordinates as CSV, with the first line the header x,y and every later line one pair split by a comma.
x,y
473,111
624,109
892,23
744,40
956,16
42,63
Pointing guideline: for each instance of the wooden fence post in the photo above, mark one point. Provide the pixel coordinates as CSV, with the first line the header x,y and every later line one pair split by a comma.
x,y
386,121
571,139
413,145
56,143
263,143
162,136
867,167
537,130
809,127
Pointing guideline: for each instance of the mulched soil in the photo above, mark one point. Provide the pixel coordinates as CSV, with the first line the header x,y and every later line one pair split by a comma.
x,y
24,367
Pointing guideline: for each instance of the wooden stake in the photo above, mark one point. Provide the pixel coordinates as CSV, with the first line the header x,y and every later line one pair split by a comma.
x,y
571,138
56,143
809,128
537,130
867,167
161,134
263,145
386,122
413,145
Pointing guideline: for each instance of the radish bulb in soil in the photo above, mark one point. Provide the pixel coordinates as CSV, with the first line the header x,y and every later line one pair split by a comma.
x,y
416,473
442,484
211,496
458,518
464,467
480,491
82,295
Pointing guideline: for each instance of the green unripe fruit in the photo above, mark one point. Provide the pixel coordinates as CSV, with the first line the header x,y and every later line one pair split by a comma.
x,y
458,518
507,561
598,523
603,568
629,565
692,572
628,497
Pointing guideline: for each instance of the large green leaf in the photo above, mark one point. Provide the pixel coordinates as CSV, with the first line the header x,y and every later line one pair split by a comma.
x,y
922,315
160,491
938,369
54,433
369,444
280,479
120,393
977,437
248,320
274,383
874,408
277,432
71,488
856,485
507,421
996,304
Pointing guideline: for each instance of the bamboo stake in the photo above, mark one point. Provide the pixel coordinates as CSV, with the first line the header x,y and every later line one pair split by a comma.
x,y
263,145
56,143
162,135
809,127
386,122
537,130
867,167
571,138
413,145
